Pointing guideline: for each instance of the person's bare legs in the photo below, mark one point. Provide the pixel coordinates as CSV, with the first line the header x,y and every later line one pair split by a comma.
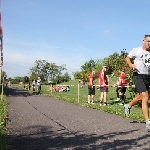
x,y
144,96
92,99
89,98
105,97
101,98
136,100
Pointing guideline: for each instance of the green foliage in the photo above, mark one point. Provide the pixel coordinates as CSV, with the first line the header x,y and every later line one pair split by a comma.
x,y
77,75
47,71
26,79
86,69
3,122
115,63
88,66
17,79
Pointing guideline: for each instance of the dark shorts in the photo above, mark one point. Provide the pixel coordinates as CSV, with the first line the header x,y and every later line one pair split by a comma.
x,y
122,89
141,81
91,91
103,89
117,89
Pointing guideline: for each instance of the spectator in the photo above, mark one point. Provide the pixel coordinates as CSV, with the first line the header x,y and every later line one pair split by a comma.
x,y
38,86
91,87
57,89
122,84
33,85
103,82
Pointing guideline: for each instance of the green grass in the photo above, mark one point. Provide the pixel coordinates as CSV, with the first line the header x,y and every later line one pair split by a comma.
x,y
113,108
3,122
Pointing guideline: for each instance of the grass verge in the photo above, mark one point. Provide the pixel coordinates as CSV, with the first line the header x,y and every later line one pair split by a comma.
x,y
3,122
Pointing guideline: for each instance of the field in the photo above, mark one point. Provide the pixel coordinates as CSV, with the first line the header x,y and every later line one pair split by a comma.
x,y
78,96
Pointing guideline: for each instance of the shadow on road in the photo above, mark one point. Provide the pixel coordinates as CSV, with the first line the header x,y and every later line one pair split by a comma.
x,y
18,92
44,138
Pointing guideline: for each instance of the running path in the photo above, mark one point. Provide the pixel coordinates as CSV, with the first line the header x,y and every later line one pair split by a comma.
x,y
42,123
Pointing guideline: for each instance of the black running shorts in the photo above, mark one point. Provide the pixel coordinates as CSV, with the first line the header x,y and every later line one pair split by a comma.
x,y
141,81
122,89
91,90
104,89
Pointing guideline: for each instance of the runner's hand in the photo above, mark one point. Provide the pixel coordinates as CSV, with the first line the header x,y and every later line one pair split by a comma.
x,y
132,66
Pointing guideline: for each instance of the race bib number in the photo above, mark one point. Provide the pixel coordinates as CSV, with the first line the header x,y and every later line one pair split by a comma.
x,y
146,61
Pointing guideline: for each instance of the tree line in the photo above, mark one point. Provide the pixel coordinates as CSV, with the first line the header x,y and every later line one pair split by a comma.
x,y
114,62
53,73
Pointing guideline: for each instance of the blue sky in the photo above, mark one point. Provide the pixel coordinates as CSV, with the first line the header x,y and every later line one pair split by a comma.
x,y
69,32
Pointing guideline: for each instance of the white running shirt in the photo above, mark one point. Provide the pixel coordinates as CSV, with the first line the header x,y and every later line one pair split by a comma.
x,y
141,60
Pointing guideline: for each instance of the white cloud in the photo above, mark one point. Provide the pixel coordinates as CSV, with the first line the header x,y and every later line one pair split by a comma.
x,y
17,62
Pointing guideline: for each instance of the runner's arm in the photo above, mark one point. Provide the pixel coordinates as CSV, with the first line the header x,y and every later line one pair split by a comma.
x,y
128,61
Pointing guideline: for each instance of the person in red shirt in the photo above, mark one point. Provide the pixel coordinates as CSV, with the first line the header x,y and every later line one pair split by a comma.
x,y
122,84
91,87
103,83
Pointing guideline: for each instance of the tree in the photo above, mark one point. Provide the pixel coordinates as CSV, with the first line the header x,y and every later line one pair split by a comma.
x,y
47,71
4,75
87,67
66,77
17,79
77,75
115,62
25,79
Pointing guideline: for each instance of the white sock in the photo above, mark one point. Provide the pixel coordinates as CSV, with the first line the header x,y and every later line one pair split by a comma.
x,y
129,106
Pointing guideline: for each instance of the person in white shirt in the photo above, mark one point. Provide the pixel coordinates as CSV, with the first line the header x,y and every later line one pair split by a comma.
x,y
141,77
38,86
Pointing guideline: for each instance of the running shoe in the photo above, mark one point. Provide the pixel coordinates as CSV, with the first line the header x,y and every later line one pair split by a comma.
x,y
118,99
120,103
105,104
148,125
127,110
101,103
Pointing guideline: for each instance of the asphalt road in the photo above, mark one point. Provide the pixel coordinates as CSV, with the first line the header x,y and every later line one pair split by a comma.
x,y
43,123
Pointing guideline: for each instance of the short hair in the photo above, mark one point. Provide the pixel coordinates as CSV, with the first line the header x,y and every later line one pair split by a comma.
x,y
147,36
105,66
122,69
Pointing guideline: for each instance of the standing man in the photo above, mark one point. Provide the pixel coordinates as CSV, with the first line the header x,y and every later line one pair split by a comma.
x,y
103,82
38,86
141,77
91,87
